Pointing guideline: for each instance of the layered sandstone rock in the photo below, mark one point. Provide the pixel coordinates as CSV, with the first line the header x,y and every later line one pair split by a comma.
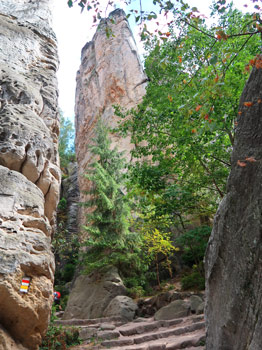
x,y
234,253
29,172
110,74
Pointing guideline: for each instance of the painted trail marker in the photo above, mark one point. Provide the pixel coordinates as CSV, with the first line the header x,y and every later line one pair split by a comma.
x,y
25,284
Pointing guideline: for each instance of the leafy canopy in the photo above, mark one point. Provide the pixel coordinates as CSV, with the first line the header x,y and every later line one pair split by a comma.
x,y
184,128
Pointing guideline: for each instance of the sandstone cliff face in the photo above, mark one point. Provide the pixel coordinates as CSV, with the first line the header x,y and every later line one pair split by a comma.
x,y
29,172
109,73
234,254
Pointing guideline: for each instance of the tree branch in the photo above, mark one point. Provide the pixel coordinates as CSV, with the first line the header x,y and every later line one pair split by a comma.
x,y
214,181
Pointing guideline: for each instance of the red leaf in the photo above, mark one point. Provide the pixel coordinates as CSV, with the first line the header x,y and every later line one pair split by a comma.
x,y
252,62
242,164
258,63
193,131
250,159
206,117
198,107
248,104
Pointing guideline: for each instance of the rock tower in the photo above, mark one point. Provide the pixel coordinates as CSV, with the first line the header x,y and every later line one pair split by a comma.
x,y
110,74
29,169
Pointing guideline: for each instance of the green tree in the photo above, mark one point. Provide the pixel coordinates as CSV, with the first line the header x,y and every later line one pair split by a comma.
x,y
110,241
186,122
66,142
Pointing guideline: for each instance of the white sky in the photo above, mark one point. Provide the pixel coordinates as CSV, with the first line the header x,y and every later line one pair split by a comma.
x,y
74,29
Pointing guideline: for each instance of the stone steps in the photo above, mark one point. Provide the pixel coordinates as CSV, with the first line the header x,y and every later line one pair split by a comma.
x,y
141,334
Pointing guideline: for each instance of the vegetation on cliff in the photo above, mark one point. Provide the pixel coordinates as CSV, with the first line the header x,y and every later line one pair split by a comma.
x,y
183,133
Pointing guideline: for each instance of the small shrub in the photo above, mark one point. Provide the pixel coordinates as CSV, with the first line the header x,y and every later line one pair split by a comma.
x,y
62,205
194,280
68,272
193,245
58,338
136,292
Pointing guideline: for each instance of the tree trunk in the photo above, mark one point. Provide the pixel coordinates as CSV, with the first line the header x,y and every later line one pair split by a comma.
x,y
234,254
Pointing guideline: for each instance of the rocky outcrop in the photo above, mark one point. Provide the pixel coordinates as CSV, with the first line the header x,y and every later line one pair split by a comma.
x,y
110,74
29,172
234,253
92,294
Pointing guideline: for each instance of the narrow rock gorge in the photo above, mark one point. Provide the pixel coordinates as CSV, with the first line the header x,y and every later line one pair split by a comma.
x,y
29,169
110,74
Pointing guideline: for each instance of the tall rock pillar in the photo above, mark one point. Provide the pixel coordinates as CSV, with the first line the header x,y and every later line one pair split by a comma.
x,y
234,253
29,172
110,74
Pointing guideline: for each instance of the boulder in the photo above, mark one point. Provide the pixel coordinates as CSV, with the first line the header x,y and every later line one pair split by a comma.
x,y
195,301
122,306
176,309
200,309
91,294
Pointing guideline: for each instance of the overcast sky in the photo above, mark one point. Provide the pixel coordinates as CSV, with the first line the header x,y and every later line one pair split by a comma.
x,y
73,30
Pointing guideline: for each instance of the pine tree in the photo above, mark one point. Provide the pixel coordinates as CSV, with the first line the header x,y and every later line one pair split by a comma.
x,y
110,241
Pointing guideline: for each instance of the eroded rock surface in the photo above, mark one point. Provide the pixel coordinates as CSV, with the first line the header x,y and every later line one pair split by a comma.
x,y
110,74
234,254
29,167
70,191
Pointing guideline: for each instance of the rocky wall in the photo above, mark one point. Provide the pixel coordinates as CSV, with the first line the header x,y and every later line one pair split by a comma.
x,y
29,167
110,74
234,252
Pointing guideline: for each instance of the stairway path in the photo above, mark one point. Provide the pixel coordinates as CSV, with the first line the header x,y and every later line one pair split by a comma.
x,y
141,334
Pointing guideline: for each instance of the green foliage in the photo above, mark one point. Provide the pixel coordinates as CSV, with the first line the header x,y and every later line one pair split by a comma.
x,y
193,245
194,280
58,338
62,205
159,243
110,241
66,142
136,292
183,131
68,272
